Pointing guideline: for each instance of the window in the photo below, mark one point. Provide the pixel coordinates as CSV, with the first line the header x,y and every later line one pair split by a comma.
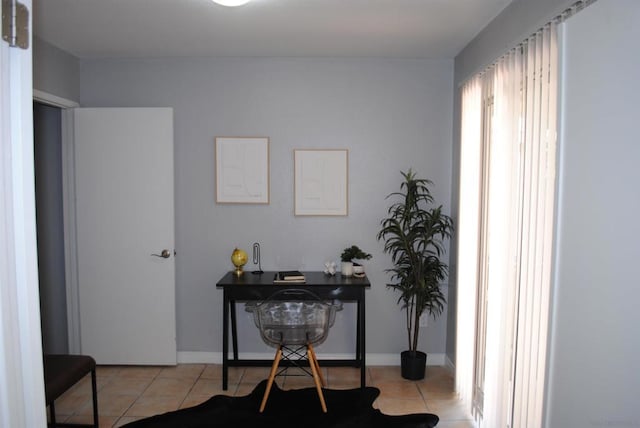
x,y
507,190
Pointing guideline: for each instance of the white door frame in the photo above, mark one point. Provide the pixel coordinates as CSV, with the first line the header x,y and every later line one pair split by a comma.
x,y
69,221
53,100
22,400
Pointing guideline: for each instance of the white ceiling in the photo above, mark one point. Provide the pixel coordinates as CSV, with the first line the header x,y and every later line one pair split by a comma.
x,y
335,28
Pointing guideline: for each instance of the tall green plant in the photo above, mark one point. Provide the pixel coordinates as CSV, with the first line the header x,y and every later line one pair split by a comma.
x,y
414,233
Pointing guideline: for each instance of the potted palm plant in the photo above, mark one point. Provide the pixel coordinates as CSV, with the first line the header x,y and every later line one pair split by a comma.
x,y
414,232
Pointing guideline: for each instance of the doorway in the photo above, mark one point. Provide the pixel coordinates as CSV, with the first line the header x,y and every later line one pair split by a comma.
x,y
47,135
61,233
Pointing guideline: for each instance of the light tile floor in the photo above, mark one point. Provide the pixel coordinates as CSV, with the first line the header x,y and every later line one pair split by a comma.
x,y
129,393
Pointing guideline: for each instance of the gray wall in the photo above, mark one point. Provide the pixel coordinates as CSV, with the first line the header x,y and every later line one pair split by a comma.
x,y
49,218
55,71
514,24
595,365
389,114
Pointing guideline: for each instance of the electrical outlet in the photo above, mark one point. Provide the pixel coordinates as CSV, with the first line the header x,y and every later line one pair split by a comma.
x,y
424,320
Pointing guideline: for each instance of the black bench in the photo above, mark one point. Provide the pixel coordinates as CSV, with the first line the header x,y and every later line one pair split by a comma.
x,y
61,372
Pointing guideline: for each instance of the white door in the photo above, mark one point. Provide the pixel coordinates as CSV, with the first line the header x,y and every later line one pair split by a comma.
x,y
124,213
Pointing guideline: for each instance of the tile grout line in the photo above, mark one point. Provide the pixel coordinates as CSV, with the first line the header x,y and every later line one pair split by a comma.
x,y
137,397
192,386
424,399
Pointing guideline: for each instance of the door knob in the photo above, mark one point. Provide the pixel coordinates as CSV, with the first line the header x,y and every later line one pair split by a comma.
x,y
165,254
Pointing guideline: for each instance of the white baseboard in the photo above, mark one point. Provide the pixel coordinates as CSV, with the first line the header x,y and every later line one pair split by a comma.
x,y
189,357
195,357
449,364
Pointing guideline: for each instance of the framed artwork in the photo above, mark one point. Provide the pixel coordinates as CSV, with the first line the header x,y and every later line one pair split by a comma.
x,y
242,170
321,182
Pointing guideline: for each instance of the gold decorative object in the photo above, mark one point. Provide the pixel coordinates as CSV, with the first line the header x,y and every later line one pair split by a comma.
x,y
239,258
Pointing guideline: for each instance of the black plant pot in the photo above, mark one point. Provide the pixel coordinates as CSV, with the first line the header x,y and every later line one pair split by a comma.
x,y
412,364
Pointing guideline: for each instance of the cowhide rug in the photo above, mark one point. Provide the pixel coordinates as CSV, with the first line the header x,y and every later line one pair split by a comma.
x,y
350,408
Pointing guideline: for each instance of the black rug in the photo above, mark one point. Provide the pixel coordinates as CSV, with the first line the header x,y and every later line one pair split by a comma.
x,y
349,408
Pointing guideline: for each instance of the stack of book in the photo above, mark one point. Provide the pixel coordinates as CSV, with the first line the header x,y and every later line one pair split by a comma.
x,y
289,277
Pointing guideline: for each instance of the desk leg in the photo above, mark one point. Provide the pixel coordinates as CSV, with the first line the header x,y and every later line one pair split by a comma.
x,y
225,341
234,329
360,339
358,331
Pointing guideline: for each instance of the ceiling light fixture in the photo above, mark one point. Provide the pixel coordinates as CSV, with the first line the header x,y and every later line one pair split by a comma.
x,y
231,3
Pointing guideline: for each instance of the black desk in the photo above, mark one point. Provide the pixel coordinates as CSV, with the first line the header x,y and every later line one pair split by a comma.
x,y
259,287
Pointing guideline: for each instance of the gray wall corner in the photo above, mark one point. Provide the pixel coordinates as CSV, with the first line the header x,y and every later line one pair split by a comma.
x,y
55,72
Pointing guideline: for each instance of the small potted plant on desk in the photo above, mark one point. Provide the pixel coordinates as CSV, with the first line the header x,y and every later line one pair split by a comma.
x,y
413,235
348,266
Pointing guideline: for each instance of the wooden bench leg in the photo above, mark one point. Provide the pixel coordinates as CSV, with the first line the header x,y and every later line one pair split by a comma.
x,y
94,396
52,415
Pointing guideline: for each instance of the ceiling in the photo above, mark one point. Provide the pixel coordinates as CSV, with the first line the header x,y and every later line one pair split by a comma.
x,y
326,28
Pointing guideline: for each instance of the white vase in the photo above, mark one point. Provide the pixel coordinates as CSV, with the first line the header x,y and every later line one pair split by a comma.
x,y
346,268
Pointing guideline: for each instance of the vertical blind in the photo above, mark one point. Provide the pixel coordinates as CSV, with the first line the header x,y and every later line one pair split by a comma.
x,y
468,235
537,194
505,232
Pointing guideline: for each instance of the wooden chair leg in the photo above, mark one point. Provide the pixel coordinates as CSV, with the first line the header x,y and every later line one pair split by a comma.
x,y
313,363
311,351
272,375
